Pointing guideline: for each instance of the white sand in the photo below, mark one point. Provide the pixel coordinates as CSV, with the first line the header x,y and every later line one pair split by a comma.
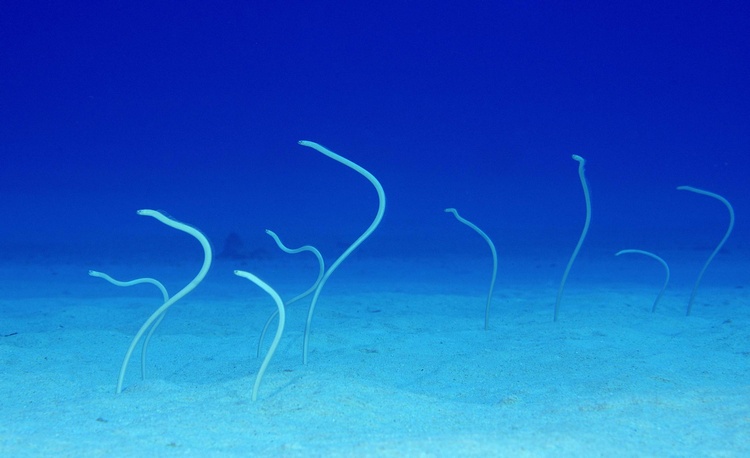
x,y
399,364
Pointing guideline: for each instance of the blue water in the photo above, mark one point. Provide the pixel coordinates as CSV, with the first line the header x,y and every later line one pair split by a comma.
x,y
196,109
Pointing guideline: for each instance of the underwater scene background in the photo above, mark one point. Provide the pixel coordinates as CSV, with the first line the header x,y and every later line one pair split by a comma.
x,y
196,109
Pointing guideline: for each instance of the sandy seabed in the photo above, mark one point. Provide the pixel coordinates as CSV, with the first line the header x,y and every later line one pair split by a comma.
x,y
399,365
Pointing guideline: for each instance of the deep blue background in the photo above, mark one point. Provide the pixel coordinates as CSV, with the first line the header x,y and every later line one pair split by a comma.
x,y
195,108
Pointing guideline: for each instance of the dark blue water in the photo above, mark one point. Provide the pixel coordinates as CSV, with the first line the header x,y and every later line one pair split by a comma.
x,y
196,108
